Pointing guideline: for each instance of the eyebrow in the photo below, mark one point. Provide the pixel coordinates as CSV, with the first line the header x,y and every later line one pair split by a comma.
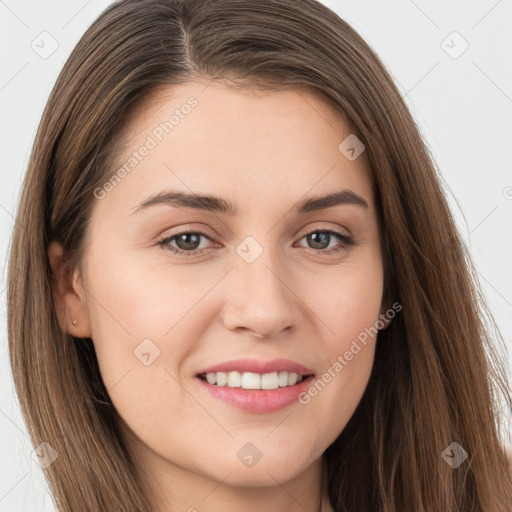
x,y
220,205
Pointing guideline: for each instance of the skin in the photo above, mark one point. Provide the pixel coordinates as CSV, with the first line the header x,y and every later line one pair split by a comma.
x,y
264,151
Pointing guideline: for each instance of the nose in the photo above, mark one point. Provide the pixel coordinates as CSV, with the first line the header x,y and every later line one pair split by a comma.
x,y
261,300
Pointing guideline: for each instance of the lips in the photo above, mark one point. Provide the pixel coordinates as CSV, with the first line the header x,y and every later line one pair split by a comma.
x,y
257,401
256,386
259,366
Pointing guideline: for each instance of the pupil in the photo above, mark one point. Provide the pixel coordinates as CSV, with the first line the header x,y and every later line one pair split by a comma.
x,y
185,237
324,236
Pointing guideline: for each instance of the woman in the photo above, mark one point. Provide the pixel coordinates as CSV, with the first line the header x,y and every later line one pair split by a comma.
x,y
318,346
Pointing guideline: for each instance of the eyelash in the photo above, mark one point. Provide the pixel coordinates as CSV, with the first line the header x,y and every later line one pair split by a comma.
x,y
348,242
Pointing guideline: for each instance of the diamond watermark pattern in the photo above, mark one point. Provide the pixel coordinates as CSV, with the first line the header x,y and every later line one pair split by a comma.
x,y
146,352
249,249
454,455
44,455
249,455
45,45
351,147
454,45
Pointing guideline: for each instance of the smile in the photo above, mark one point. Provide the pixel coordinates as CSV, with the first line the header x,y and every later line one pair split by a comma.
x,y
256,400
250,380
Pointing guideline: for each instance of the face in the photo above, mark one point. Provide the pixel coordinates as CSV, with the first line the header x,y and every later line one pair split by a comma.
x,y
170,290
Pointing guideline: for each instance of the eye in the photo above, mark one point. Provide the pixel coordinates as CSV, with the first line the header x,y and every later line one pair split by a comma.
x,y
321,238
189,242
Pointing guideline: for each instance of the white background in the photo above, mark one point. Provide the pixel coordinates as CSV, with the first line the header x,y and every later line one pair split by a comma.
x,y
463,106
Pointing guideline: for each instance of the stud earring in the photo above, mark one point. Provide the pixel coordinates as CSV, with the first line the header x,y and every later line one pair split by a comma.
x,y
74,322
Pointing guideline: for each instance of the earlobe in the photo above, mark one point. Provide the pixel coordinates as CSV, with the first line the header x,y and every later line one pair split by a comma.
x,y
68,296
384,320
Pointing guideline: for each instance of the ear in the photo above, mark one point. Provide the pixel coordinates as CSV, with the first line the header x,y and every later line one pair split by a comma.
x,y
68,294
383,318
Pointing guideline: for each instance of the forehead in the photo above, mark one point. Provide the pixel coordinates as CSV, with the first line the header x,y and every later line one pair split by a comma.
x,y
210,136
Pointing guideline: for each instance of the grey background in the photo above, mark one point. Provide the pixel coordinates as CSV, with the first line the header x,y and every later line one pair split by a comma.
x,y
462,101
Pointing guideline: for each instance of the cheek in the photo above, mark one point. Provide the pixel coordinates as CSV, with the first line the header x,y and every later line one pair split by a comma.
x,y
348,310
134,299
130,311
145,323
348,303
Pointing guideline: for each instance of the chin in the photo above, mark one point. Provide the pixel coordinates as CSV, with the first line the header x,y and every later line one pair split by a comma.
x,y
269,468
259,476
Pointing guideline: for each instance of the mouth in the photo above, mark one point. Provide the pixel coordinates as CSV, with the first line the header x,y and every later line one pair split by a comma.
x,y
253,392
254,381
255,385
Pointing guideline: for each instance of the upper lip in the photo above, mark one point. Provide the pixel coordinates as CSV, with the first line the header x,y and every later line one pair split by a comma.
x,y
259,366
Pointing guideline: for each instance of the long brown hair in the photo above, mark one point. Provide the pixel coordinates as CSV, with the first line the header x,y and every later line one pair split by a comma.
x,y
437,377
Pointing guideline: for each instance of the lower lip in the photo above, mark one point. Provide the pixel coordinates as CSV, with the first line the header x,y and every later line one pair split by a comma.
x,y
258,401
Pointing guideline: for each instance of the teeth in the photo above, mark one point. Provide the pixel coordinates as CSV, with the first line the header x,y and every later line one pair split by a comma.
x,y
282,379
269,381
234,379
221,379
249,380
